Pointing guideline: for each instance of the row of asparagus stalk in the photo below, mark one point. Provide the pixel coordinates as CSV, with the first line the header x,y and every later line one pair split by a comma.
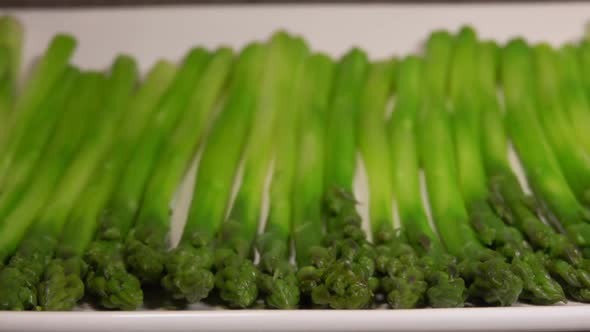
x,y
90,162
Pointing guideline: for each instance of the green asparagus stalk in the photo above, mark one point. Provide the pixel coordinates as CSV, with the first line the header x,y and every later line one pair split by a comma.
x,y
373,147
18,280
62,284
120,212
573,96
341,126
188,272
340,149
11,40
313,89
46,74
540,164
339,209
405,164
277,280
572,157
538,286
487,274
236,277
147,242
341,275
402,281
445,287
563,259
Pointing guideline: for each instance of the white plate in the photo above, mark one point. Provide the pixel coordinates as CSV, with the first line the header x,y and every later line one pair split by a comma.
x,y
382,30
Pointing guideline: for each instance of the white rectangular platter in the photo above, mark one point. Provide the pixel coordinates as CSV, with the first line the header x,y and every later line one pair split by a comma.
x,y
383,31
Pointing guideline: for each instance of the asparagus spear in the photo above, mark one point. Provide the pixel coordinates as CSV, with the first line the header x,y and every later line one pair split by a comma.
x,y
342,272
45,75
572,157
538,286
341,132
445,287
236,276
402,281
488,275
11,40
313,90
540,164
62,284
147,242
563,259
373,146
405,163
188,267
18,280
277,281
106,256
574,97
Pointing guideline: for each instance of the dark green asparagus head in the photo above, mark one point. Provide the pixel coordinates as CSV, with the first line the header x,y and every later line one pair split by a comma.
x,y
491,280
115,287
188,273
497,200
387,252
575,280
446,289
277,280
145,253
404,284
510,242
62,286
236,278
342,287
509,202
403,279
19,279
15,292
273,252
480,220
538,286
308,278
232,236
561,247
343,274
281,288
340,209
108,278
